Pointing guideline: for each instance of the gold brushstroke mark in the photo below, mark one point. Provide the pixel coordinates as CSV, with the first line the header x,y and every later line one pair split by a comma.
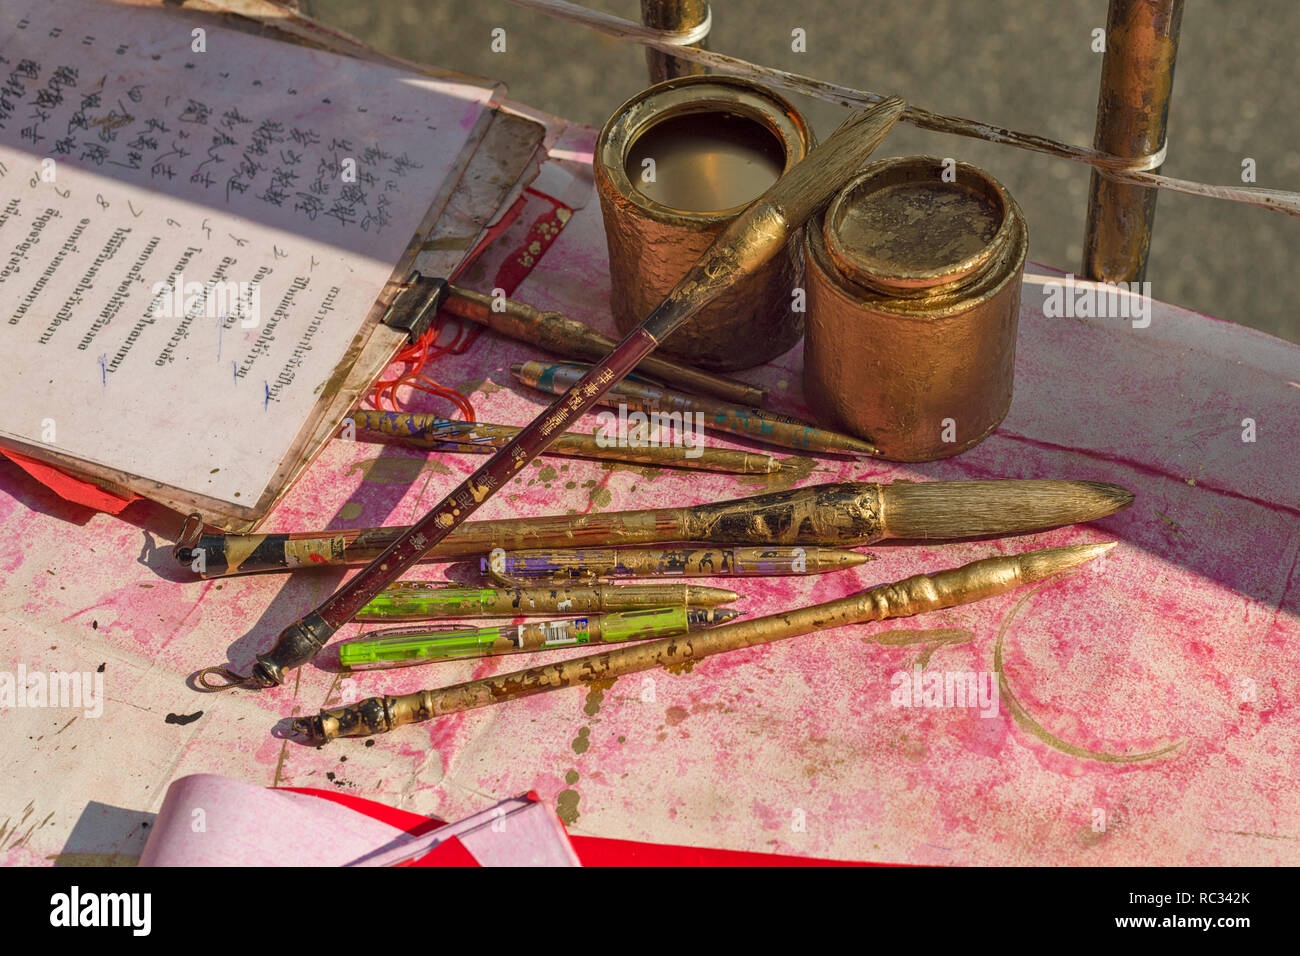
x,y
1175,529
415,508
1028,723
350,510
1248,833
936,637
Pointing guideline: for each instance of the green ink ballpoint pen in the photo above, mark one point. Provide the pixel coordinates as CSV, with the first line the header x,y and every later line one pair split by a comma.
x,y
404,646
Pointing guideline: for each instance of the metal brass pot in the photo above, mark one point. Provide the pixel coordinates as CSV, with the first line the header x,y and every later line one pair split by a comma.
x,y
652,243
913,280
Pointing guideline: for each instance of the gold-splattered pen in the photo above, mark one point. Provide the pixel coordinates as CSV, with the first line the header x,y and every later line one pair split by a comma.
x,y
915,595
651,401
573,340
424,600
579,564
429,431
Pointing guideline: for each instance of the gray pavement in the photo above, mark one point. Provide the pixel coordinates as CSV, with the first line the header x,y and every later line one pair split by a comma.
x,y
1017,63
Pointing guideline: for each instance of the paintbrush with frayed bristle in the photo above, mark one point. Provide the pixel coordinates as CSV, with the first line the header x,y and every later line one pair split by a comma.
x,y
838,515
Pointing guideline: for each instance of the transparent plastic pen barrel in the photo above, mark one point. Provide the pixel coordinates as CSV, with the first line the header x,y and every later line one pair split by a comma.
x,y
405,646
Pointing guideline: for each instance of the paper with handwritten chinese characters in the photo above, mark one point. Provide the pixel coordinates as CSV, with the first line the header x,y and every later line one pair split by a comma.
x,y
194,224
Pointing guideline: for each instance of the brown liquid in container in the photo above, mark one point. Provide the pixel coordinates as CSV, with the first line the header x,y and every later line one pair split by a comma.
x,y
718,143
705,162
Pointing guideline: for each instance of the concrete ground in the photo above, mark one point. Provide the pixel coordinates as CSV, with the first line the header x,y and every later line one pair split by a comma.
x,y
1025,64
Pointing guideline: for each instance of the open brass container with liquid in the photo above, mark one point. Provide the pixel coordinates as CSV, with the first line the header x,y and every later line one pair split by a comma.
x,y
913,281
674,165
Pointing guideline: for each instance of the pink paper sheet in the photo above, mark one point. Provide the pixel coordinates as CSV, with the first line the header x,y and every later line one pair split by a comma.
x,y
211,820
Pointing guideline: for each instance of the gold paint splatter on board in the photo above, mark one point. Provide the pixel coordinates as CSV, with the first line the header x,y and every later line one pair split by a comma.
x,y
681,667
914,751
571,777
350,510
547,474
1086,836
1175,529
600,498
582,741
566,806
596,696
1028,723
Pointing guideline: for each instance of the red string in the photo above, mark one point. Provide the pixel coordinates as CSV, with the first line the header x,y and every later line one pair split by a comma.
x,y
420,353
415,356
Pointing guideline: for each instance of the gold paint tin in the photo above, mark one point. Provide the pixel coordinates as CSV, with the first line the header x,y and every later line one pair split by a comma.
x,y
663,161
913,282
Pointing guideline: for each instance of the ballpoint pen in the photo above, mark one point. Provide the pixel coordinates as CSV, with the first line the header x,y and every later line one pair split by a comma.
x,y
403,646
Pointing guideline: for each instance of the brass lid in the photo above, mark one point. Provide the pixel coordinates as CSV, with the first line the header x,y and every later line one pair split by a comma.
x,y
903,229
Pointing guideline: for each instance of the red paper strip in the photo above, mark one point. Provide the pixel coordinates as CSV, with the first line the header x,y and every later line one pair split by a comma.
x,y
592,851
76,490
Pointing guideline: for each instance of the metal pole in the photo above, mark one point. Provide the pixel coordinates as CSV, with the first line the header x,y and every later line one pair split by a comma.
x,y
673,15
1137,77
